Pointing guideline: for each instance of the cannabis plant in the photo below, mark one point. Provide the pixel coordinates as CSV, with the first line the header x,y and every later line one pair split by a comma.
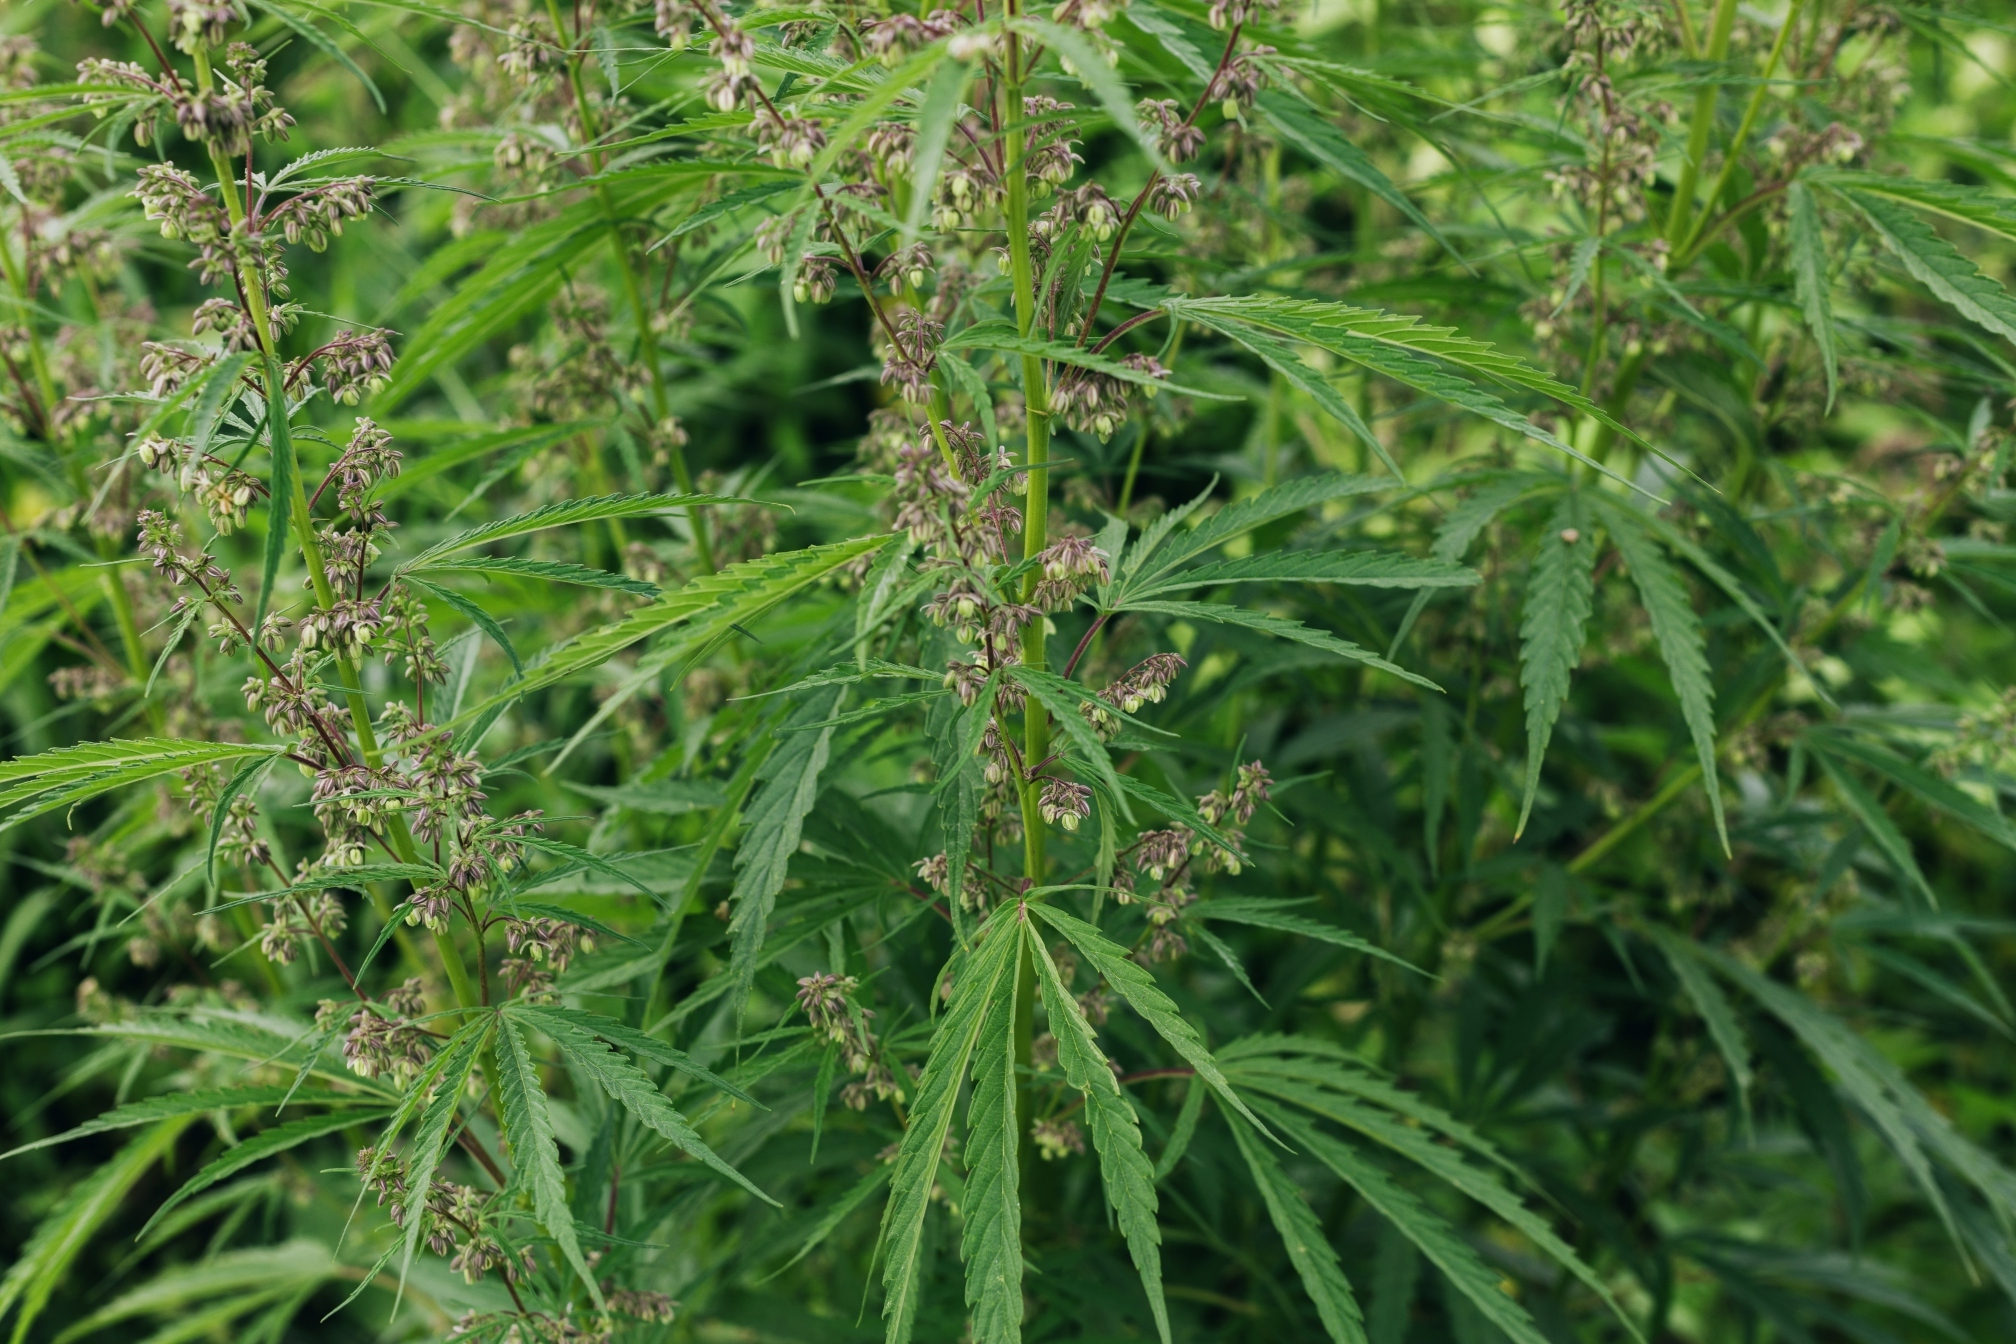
x,y
1130,669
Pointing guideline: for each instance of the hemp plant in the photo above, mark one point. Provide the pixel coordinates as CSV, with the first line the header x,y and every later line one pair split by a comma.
x,y
1139,670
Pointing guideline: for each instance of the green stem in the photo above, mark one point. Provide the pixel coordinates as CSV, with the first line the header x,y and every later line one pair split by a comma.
x,y
1701,128
1743,129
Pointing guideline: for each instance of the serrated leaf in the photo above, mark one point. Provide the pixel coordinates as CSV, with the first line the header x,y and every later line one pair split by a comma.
x,y
1002,338
1281,627
198,1102
1366,569
629,1038
1300,126
1266,914
788,786
289,1268
562,514
712,604
482,619
1929,788
1896,848
1280,356
1811,284
1437,1240
991,1239
631,1088
60,1236
1168,548
263,1145
1309,1250
447,1075
1937,264
1552,628
555,570
1124,1169
937,114
36,785
1677,630
988,975
1134,984
837,1213
1714,1007
528,1130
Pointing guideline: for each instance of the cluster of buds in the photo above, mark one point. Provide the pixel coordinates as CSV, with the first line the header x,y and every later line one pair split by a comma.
x,y
173,198
385,1175
355,796
734,81
1175,136
228,321
291,702
673,21
235,108
966,677
926,492
910,266
367,459
1093,210
290,923
964,191
1146,683
817,279
355,364
224,492
1236,13
843,1024
316,216
1055,1139
168,368
446,786
893,38
1239,82
1250,788
1049,160
794,141
936,873
196,24
160,540
345,628
238,839
1070,566
378,1045
1161,855
913,356
891,146
1096,403
1064,803
551,942
431,906
406,640
1172,195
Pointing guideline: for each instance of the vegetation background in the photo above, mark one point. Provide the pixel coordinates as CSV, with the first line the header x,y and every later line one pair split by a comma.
x,y
1462,799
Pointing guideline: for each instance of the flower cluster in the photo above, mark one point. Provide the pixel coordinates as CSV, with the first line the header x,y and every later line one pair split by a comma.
x,y
1096,402
1070,565
1146,683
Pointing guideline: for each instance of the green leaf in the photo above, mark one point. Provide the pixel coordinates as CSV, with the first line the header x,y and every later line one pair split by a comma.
x,y
482,619
1366,569
447,1075
545,1017
291,1267
1924,785
829,1221
1882,830
1266,914
1062,699
198,1102
788,786
1001,337
35,785
1124,1169
1134,984
556,570
1281,627
712,604
1978,206
987,977
1169,548
562,514
528,1129
1713,1005
936,116
1811,284
263,1145
1551,632
1303,128
1442,1244
247,776
1677,631
991,1240
1308,1249
1937,264
1280,356
1094,73
631,1088
60,1236
321,41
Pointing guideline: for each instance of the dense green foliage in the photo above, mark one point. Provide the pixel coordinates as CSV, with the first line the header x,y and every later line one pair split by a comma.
x,y
722,671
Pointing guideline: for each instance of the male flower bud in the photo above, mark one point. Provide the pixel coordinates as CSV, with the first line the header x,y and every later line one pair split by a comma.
x,y
1064,803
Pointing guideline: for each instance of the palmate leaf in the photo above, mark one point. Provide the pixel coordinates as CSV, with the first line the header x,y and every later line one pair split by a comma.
x,y
987,976
787,787
1896,848
546,1016
991,1239
1002,338
1551,632
263,1145
1437,1240
1714,1007
57,1239
198,1102
1927,787
1677,630
1124,1169
1280,355
562,514
1811,283
631,1088
1301,127
74,774
1978,206
1134,984
1309,1250
528,1129
555,570
1162,548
